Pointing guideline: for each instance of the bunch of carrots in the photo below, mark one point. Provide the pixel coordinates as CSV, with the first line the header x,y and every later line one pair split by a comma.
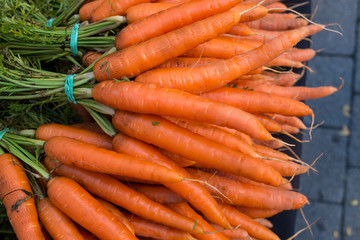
x,y
180,131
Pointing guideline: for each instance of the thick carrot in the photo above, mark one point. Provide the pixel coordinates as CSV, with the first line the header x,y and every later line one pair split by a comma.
x,y
186,62
193,192
153,99
109,8
87,9
90,57
133,60
143,10
164,134
81,207
116,192
73,152
176,17
254,228
18,199
251,195
208,77
56,222
258,102
258,212
145,228
47,131
210,232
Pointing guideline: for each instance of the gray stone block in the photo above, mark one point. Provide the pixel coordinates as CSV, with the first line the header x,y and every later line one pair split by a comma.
x,y
343,12
327,71
354,149
328,184
328,222
352,206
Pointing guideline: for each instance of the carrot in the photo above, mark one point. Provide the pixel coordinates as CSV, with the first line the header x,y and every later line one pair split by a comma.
x,y
153,99
90,157
90,57
290,129
184,209
154,230
164,134
254,228
298,92
109,8
268,123
87,9
241,29
258,102
82,208
57,223
133,60
46,131
264,222
186,62
117,213
244,137
270,144
299,54
180,160
205,78
263,150
18,198
175,18
272,24
258,212
204,202
114,191
284,78
86,234
276,5
237,233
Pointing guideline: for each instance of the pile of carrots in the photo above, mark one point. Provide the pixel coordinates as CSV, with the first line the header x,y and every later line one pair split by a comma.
x,y
201,90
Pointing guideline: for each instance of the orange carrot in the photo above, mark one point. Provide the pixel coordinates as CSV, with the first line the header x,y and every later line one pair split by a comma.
x,y
46,131
271,152
272,24
258,212
133,60
86,234
180,160
85,210
56,222
153,99
270,144
299,54
73,152
164,134
268,123
244,137
18,199
154,230
90,57
260,102
109,8
187,189
208,77
87,9
186,62
140,11
290,129
241,29
236,233
114,191
175,18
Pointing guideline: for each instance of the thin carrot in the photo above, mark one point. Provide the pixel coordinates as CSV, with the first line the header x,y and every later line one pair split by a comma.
x,y
270,124
258,212
87,9
18,199
56,222
241,29
204,202
109,8
180,160
175,18
272,152
236,233
154,230
164,134
300,54
205,78
244,137
110,189
291,121
270,144
153,99
273,24
210,232
290,129
90,57
85,210
46,131
133,60
73,152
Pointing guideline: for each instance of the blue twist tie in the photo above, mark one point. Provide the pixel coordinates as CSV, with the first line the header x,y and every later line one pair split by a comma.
x,y
50,22
73,39
69,88
2,132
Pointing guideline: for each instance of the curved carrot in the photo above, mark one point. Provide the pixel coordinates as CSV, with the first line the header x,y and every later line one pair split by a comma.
x,y
259,102
244,137
90,57
47,131
270,124
87,9
167,135
56,222
203,201
180,160
273,24
236,233
133,60
176,17
241,29
110,189
18,199
85,210
263,150
208,77
109,8
258,212
73,152
153,99
300,54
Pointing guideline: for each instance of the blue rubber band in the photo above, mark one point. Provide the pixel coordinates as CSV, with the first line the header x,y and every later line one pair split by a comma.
x,y
50,22
69,88
73,39
2,132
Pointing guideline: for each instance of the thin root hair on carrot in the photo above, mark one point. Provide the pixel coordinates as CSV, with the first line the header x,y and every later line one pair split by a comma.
x,y
313,163
306,221
319,50
283,142
308,68
312,125
292,152
299,5
293,137
342,84
316,9
301,230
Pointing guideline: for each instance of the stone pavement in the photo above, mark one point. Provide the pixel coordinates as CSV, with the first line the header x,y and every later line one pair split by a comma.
x,y
334,192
